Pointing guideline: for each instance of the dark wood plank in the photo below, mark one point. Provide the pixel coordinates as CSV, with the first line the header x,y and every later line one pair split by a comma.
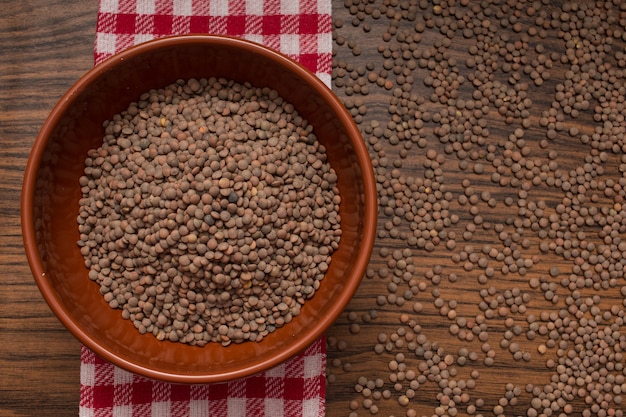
x,y
44,48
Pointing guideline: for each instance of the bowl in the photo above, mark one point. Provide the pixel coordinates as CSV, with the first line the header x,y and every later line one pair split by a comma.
x,y
51,194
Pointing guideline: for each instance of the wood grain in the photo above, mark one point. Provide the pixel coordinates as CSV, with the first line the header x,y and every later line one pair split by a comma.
x,y
46,46
352,355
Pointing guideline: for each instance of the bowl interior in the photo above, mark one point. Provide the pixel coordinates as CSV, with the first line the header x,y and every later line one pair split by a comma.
x,y
50,204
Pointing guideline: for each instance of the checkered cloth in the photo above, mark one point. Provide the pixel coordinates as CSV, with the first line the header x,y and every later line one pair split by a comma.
x,y
293,389
301,29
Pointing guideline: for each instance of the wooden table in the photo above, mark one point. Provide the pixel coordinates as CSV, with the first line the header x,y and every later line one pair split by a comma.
x,y
46,46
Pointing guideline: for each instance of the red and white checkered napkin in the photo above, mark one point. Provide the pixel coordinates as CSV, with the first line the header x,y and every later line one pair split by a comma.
x,y
293,389
301,29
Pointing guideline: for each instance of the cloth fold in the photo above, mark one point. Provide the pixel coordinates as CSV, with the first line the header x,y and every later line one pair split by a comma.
x,y
302,30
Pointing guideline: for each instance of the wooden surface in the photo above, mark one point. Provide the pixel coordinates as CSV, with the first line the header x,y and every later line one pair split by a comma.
x,y
46,46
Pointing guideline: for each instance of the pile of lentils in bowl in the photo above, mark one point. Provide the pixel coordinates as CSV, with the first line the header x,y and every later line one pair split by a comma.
x,y
209,213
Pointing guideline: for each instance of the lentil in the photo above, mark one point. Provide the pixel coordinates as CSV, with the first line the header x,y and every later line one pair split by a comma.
x,y
499,107
216,225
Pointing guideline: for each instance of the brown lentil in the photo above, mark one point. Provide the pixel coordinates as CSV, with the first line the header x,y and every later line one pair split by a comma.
x,y
499,107
209,213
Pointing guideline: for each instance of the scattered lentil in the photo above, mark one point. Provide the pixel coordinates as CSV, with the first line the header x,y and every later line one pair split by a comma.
x,y
522,193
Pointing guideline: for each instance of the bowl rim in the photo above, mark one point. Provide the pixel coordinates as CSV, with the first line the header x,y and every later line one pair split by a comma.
x,y
28,221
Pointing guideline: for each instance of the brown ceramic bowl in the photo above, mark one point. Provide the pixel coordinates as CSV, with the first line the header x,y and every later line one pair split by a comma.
x,y
51,193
